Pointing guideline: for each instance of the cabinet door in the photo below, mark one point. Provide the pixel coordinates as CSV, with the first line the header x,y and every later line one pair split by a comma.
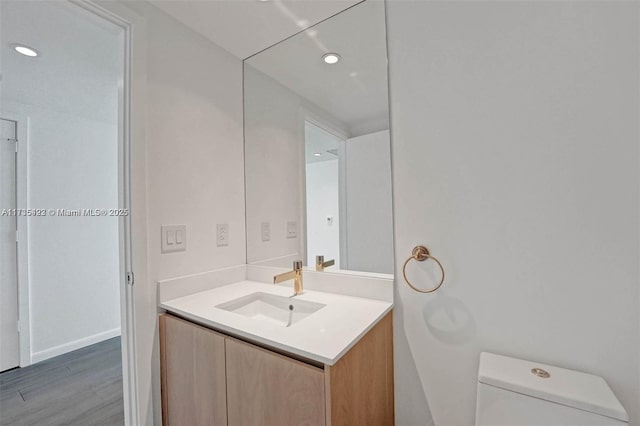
x,y
264,388
193,374
361,381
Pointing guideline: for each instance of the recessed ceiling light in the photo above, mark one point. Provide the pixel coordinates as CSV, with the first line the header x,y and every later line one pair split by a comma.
x,y
317,154
25,50
331,58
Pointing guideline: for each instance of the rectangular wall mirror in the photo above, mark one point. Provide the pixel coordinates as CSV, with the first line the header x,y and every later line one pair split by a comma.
x,y
317,147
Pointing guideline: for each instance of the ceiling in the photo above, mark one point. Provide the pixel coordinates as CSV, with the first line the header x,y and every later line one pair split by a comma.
x,y
318,141
354,91
297,33
80,63
245,27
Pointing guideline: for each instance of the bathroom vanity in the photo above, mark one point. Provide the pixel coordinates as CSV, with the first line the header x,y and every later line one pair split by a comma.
x,y
317,194
229,357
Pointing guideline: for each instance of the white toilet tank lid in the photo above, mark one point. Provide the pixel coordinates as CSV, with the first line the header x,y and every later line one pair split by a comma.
x,y
568,387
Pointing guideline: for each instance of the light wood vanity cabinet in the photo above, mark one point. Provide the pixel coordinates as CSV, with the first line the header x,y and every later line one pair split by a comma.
x,y
265,388
211,379
194,390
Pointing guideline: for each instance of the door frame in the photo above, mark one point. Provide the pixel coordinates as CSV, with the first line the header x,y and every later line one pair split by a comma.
x,y
131,185
22,252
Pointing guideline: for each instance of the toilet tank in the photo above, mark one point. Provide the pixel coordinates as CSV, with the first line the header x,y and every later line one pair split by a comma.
x,y
517,392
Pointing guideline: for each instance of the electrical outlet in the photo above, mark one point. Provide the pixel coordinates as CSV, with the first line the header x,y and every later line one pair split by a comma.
x,y
222,234
292,230
266,231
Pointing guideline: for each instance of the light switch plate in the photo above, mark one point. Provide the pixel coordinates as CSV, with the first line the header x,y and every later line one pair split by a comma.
x,y
292,230
266,231
222,234
173,238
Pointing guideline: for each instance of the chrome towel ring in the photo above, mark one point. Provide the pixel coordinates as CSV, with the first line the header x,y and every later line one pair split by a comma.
x,y
421,253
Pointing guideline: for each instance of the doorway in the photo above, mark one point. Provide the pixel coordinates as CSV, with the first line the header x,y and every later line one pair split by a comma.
x,y
324,192
71,92
348,199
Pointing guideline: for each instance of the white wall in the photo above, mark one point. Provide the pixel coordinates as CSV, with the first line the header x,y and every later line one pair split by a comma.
x,y
194,129
368,205
73,261
70,96
322,202
515,160
195,169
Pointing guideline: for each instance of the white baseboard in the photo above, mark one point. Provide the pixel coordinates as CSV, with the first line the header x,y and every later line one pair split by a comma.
x,y
72,346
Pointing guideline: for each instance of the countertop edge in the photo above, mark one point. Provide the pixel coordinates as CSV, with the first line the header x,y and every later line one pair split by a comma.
x,y
270,344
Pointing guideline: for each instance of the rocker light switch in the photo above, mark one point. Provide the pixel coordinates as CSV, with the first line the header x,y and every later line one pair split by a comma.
x,y
174,238
292,230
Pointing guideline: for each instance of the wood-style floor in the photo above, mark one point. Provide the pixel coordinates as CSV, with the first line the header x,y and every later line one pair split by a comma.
x,y
80,388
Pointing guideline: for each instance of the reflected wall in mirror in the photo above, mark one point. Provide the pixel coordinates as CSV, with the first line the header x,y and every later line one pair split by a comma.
x,y
317,148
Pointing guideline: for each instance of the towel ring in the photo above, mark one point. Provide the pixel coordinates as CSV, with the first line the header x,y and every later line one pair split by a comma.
x,y
421,253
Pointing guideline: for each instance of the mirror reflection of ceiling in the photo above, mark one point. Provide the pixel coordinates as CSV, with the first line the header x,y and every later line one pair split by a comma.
x,y
320,145
244,27
354,90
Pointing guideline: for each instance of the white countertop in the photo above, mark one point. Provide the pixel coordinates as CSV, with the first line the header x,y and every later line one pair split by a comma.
x,y
324,336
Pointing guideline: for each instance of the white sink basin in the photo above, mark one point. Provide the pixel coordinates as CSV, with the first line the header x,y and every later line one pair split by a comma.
x,y
278,310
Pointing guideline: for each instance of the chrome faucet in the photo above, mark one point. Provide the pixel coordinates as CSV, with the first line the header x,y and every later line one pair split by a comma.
x,y
321,264
295,275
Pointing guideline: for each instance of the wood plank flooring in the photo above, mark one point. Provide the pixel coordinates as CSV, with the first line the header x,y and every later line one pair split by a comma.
x,y
80,388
